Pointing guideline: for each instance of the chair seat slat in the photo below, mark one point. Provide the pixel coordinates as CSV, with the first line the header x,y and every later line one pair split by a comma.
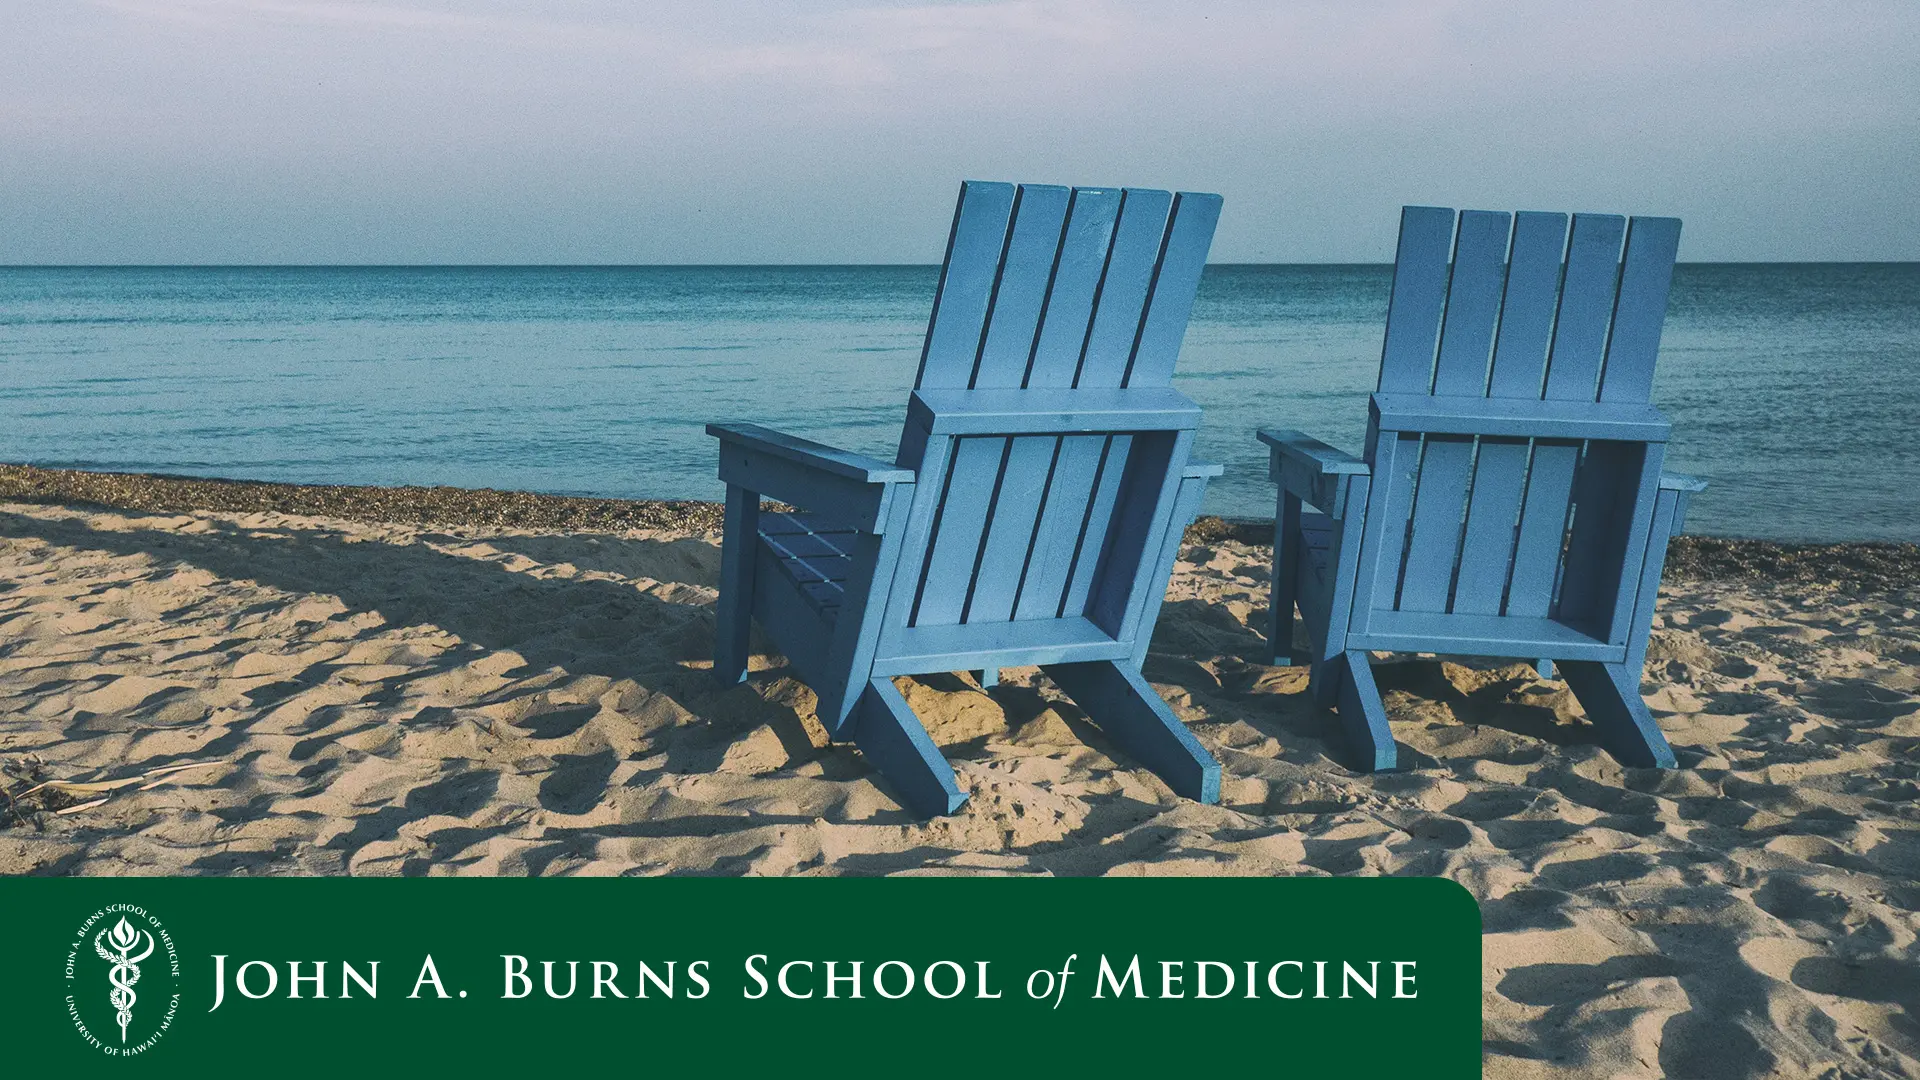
x,y
1486,549
1484,635
1056,538
954,551
1440,506
1543,528
1009,540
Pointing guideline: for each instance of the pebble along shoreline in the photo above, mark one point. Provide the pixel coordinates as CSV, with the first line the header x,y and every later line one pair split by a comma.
x,y
1854,567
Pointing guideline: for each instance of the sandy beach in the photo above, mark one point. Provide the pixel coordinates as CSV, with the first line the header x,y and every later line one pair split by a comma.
x,y
427,689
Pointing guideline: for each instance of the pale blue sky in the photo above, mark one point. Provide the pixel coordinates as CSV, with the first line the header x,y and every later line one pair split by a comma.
x,y
338,131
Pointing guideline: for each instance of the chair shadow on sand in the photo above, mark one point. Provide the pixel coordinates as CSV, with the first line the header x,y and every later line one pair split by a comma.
x,y
1196,628
482,602
685,561
579,624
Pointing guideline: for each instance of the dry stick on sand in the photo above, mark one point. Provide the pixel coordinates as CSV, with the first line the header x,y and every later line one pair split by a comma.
x,y
147,781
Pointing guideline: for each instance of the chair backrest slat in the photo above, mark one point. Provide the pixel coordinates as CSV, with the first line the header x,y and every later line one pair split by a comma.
x,y
1419,299
965,294
1586,307
1124,288
1604,493
1526,312
1645,275
1020,293
1102,497
1473,304
1176,281
1076,285
1511,541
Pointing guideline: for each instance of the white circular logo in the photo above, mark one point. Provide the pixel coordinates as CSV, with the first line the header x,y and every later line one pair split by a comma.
x,y
123,980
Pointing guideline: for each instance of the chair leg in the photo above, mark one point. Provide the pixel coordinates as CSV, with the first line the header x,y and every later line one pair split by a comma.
x,y
890,736
1131,714
1287,542
1324,678
1543,667
1363,714
989,678
1611,695
733,614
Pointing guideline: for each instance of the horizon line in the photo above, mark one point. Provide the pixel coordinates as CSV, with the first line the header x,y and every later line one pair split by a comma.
x,y
785,265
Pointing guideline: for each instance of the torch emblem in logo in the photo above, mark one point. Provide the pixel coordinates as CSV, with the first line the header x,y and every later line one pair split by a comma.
x,y
124,939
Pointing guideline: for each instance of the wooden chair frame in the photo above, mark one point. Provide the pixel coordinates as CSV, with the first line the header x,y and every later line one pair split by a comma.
x,y
1036,505
1511,501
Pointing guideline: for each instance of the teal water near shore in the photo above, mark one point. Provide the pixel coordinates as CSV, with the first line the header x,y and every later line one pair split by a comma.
x,y
1794,388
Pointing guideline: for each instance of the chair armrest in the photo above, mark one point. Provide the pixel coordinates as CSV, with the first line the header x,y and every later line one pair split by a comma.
x,y
1312,471
1318,458
1684,488
1193,486
849,488
810,454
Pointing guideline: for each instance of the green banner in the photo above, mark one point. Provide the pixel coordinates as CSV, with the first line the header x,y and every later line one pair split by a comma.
x,y
1308,976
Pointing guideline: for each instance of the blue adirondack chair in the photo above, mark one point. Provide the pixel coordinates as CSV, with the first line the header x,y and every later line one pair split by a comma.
x,y
1037,504
1511,502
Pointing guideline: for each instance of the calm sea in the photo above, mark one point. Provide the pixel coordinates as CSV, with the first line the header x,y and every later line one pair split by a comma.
x,y
1794,388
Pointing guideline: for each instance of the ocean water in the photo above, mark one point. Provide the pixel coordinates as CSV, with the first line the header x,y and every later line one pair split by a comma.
x,y
1795,389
